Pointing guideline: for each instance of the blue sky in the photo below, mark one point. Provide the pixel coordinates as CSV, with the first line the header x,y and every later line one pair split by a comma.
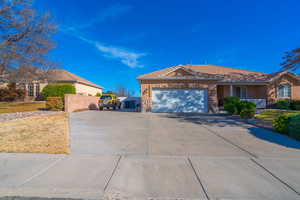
x,y
112,42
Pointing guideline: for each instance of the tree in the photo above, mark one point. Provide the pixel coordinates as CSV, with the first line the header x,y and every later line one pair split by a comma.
x,y
122,91
292,60
25,40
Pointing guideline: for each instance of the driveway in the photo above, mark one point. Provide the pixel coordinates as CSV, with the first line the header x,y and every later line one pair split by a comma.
x,y
126,155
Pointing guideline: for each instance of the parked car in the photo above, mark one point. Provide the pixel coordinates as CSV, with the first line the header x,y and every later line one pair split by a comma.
x,y
109,100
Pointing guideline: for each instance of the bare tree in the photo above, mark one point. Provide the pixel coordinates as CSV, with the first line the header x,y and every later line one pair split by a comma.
x,y
291,60
122,91
25,40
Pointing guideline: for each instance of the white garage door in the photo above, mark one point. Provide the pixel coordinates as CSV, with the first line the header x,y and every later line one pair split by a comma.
x,y
179,100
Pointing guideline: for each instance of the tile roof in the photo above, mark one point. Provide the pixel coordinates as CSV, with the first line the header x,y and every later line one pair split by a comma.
x,y
209,72
61,75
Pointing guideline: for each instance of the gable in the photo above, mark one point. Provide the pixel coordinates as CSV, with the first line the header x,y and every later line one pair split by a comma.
x,y
286,78
180,73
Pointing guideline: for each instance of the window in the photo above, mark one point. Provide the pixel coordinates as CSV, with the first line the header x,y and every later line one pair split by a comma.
x,y
105,97
284,91
30,89
37,90
241,92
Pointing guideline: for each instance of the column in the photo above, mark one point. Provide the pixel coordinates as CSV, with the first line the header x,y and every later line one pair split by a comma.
x,y
231,90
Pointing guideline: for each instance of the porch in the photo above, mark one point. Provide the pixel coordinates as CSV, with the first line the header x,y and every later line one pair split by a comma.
x,y
253,93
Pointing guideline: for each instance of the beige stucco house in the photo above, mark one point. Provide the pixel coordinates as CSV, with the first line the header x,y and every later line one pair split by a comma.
x,y
83,86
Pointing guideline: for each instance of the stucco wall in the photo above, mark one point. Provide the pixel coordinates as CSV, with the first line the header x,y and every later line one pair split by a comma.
x,y
148,85
74,102
86,90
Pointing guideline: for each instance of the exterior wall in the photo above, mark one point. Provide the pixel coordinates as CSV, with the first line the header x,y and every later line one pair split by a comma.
x,y
75,102
285,79
86,90
148,85
253,91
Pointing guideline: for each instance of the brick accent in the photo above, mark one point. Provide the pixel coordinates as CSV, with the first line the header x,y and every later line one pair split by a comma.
x,y
285,79
148,85
74,102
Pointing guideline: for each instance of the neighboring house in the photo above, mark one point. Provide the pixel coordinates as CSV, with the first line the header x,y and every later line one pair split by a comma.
x,y
83,86
202,88
130,102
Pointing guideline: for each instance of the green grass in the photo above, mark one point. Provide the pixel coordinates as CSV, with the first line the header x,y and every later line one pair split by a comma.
x,y
270,115
11,107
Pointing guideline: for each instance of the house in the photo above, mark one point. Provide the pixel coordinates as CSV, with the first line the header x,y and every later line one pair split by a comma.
x,y
130,102
83,86
202,88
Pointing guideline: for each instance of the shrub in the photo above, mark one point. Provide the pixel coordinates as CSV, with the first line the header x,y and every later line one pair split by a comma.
x,y
295,105
11,93
294,127
283,104
246,105
247,113
98,94
281,123
231,109
54,103
58,90
230,105
231,100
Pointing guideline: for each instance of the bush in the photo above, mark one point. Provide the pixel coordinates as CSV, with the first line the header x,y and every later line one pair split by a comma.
x,y
295,105
247,113
11,93
231,100
230,105
231,109
58,90
54,103
281,123
246,105
98,94
294,127
283,104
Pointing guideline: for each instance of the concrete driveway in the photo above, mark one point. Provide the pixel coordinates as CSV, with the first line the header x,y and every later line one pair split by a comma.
x,y
123,155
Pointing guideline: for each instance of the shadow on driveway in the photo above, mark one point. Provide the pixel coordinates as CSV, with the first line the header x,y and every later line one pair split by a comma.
x,y
222,120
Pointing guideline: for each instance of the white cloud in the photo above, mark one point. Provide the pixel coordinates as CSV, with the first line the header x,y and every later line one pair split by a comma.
x,y
123,55
129,58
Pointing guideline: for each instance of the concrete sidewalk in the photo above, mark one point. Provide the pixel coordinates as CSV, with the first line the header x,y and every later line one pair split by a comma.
x,y
150,156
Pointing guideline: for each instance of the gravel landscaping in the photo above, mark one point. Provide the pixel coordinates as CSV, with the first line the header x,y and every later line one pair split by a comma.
x,y
19,115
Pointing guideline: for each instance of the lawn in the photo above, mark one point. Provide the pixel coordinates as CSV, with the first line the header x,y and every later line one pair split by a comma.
x,y
11,107
270,115
42,134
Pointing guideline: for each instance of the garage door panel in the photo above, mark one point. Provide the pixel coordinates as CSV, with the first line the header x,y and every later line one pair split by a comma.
x,y
179,100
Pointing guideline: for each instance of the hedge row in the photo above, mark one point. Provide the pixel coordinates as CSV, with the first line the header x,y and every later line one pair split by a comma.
x,y
58,90
288,124
288,104
54,95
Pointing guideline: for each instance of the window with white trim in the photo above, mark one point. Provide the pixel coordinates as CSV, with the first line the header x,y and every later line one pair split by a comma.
x,y
284,91
31,89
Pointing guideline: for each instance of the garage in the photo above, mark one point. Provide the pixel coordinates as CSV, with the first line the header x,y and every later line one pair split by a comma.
x,y
179,100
